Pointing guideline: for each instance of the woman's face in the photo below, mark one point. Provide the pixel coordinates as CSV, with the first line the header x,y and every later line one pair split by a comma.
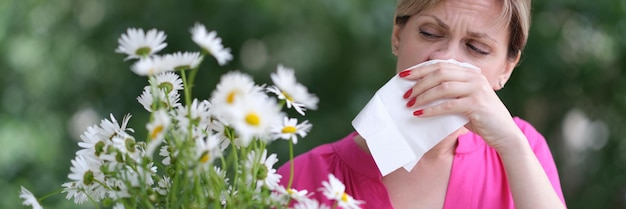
x,y
465,30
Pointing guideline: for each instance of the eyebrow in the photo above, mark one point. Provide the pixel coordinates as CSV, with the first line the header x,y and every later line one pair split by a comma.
x,y
471,33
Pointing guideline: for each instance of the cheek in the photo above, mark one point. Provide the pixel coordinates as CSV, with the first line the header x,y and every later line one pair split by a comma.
x,y
493,74
410,55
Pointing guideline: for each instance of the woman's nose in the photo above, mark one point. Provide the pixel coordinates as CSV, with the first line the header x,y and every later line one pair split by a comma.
x,y
447,50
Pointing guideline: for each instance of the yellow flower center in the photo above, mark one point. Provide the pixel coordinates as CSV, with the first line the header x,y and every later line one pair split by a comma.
x,y
287,96
205,157
289,130
166,86
230,98
344,197
156,131
143,51
253,119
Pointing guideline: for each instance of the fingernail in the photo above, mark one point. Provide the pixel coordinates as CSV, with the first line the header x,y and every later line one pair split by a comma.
x,y
418,112
405,73
410,103
408,93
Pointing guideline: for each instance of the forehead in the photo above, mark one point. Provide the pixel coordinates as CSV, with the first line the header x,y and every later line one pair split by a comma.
x,y
484,15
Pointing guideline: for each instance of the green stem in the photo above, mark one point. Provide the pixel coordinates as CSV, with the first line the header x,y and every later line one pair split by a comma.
x,y
192,77
186,88
291,164
50,194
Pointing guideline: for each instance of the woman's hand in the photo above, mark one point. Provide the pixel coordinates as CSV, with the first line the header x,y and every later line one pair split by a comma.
x,y
468,92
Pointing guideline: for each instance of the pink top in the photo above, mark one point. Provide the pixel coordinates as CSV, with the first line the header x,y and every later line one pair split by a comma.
x,y
477,178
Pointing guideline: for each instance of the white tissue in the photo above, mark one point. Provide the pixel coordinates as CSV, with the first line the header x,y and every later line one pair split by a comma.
x,y
393,135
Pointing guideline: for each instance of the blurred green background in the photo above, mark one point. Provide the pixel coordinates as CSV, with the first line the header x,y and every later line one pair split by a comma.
x,y
59,74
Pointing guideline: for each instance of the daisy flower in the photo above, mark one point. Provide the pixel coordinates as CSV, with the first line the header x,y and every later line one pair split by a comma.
x,y
168,82
334,189
232,86
119,206
290,129
125,146
84,174
29,198
137,44
254,117
265,175
197,115
182,61
164,185
157,129
210,43
153,99
92,144
310,204
293,93
207,149
302,195
151,66
110,128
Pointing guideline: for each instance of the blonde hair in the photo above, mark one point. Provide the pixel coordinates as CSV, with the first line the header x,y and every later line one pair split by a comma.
x,y
517,12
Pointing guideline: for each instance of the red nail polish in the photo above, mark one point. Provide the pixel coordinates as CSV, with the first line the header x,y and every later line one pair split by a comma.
x,y
405,73
410,103
418,112
408,94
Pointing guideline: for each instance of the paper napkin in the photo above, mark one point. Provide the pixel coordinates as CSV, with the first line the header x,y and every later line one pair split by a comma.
x,y
393,135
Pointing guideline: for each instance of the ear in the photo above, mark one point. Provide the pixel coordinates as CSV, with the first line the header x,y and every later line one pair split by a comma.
x,y
395,38
508,70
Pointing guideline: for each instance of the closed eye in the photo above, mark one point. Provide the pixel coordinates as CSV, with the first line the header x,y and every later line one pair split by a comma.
x,y
476,49
430,36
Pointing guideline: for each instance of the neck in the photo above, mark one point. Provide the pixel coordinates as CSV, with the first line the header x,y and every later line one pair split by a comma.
x,y
446,146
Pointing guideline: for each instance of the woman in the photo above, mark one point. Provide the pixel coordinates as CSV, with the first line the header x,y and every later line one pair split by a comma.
x,y
495,161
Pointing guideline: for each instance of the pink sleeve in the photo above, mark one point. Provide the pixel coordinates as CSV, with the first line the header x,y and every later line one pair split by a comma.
x,y
542,151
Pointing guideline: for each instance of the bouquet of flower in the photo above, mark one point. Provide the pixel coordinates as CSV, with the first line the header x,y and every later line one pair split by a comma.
x,y
197,154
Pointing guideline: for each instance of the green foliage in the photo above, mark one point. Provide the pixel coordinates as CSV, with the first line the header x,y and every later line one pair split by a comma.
x,y
59,74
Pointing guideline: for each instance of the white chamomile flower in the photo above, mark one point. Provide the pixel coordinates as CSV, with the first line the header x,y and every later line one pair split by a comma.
x,y
182,61
300,196
84,174
137,44
266,174
119,206
163,186
157,128
207,149
153,99
165,153
310,204
334,189
209,42
232,86
126,145
254,117
168,82
290,129
151,66
197,114
85,170
110,128
29,198
92,143
293,93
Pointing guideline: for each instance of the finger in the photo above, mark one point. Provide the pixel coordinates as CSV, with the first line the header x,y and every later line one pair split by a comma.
x,y
445,90
416,72
452,106
435,79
